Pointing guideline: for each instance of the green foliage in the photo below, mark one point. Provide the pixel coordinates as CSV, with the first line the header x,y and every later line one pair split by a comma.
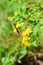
x,y
31,14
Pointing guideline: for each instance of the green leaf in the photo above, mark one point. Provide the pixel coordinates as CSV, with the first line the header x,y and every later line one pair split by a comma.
x,y
22,53
34,43
35,30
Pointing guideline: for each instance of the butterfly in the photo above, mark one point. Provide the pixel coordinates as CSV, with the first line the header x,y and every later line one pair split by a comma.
x,y
16,35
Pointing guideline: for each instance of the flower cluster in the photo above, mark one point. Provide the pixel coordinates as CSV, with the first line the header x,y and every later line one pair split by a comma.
x,y
25,38
25,34
25,41
18,25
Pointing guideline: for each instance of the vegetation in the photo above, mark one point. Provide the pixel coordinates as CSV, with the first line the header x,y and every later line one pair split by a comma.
x,y
21,29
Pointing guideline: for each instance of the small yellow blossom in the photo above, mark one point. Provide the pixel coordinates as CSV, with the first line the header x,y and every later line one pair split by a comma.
x,y
26,32
25,38
19,25
10,18
15,30
17,13
27,44
25,41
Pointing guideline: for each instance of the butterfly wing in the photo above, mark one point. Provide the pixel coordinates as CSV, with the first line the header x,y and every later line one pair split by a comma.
x,y
15,36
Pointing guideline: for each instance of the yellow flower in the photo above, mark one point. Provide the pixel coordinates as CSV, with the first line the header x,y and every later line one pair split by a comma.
x,y
25,41
10,18
15,30
17,13
27,44
26,32
25,38
19,25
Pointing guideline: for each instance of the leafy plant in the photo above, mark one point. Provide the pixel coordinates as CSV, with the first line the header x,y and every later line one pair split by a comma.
x,y
21,29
